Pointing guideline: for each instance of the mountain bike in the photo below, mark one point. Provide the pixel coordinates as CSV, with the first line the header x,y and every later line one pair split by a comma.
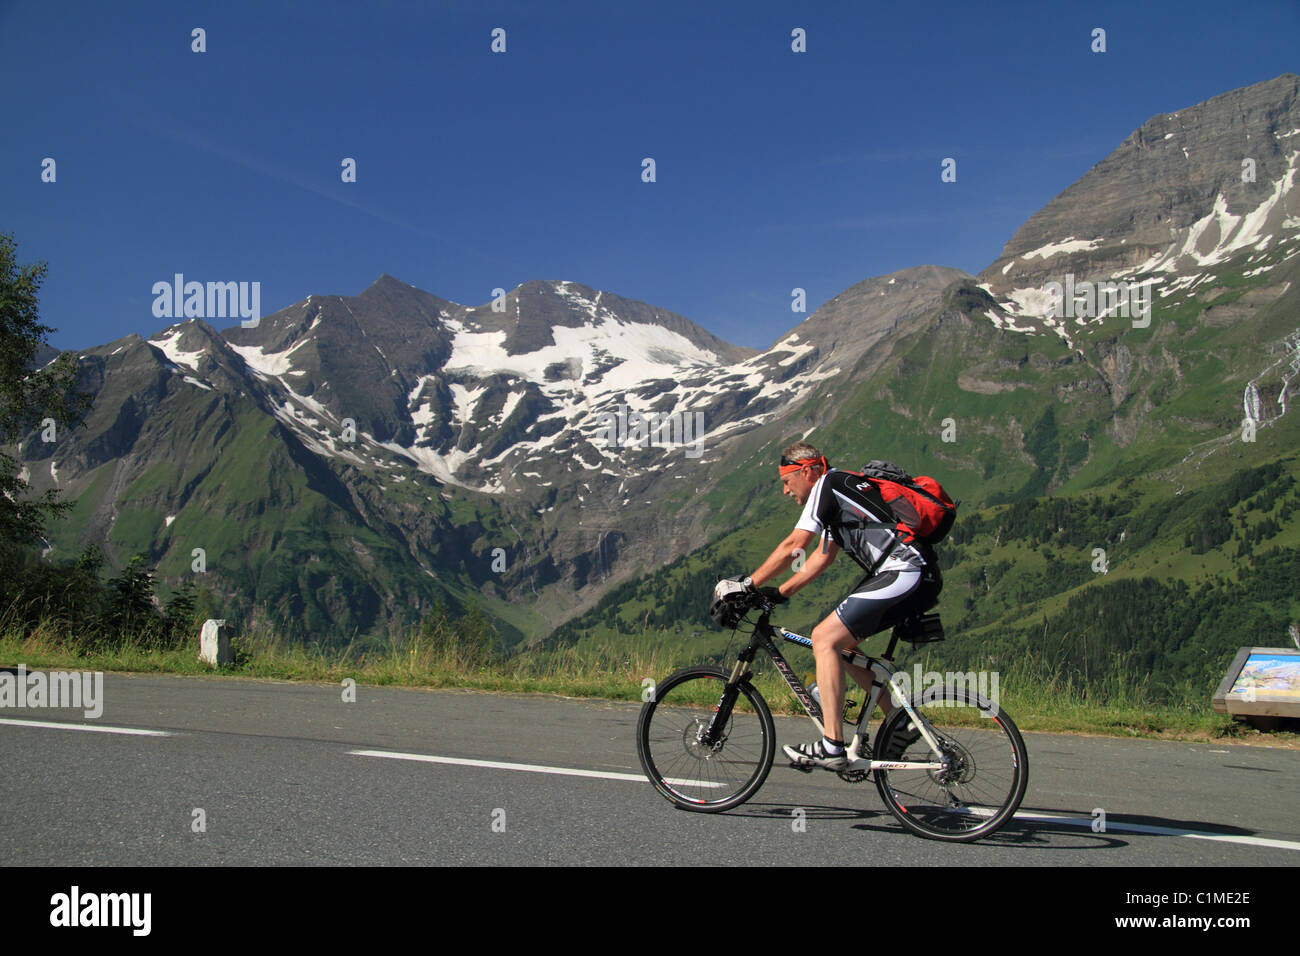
x,y
948,763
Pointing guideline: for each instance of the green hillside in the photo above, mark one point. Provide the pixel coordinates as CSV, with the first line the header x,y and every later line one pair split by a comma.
x,y
1116,531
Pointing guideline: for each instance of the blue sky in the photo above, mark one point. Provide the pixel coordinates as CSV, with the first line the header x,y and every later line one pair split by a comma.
x,y
477,170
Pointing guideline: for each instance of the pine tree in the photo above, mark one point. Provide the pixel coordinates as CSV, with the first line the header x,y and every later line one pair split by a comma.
x,y
131,613
180,616
30,398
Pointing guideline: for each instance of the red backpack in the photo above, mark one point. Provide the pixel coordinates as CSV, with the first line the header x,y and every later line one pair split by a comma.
x,y
923,509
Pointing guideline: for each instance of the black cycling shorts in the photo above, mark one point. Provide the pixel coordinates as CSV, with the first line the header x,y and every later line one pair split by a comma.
x,y
863,611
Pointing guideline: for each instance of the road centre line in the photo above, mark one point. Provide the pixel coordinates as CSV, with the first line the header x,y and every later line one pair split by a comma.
x,y
1121,826
1112,825
525,767
93,728
1083,822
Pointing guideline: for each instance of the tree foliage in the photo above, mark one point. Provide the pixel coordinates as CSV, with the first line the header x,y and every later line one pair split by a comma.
x,y
83,611
30,398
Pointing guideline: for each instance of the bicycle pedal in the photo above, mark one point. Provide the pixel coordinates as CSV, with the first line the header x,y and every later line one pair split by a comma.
x,y
803,768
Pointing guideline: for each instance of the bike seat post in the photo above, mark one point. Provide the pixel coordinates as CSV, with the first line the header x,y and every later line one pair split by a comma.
x,y
893,642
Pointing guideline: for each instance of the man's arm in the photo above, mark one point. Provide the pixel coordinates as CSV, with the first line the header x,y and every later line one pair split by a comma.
x,y
815,560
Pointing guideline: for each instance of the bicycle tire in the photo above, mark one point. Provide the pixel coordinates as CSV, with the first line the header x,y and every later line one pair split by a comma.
x,y
986,780
688,773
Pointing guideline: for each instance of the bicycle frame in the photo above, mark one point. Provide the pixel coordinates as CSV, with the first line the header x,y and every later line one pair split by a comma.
x,y
883,674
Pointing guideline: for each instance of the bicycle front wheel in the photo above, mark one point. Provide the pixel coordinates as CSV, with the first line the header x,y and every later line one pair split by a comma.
x,y
692,769
986,768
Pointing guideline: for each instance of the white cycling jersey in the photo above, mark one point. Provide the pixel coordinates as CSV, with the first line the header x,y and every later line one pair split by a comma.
x,y
850,510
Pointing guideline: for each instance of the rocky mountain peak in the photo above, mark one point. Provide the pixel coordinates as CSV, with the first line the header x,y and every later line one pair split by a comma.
x,y
1185,191
860,317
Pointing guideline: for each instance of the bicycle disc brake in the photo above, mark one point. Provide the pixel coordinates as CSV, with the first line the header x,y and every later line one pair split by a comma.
x,y
693,740
960,767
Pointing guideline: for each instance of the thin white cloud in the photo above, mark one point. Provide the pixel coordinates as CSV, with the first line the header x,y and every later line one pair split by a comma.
x,y
145,116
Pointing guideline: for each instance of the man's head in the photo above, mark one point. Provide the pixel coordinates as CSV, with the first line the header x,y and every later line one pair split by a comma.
x,y
801,466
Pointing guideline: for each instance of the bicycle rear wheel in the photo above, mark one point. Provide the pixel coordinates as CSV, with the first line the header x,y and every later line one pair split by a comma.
x,y
694,774
986,772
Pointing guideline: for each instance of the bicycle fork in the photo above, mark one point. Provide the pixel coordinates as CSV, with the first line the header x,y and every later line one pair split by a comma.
x,y
713,733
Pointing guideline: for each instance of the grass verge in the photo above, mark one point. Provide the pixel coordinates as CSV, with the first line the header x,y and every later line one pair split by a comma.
x,y
1036,703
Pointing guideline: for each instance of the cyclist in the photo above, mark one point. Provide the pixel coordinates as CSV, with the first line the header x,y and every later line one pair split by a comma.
x,y
843,510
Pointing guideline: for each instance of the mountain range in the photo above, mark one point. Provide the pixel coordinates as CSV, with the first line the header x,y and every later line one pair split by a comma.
x,y
350,461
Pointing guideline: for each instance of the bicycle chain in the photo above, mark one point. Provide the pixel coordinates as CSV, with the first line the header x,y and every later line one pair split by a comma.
x,y
850,776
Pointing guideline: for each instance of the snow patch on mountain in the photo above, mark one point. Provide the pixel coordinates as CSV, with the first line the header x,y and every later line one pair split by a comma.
x,y
797,350
167,344
1031,303
643,351
315,407
512,400
1215,237
590,306
465,399
269,365
1058,248
442,466
325,445
422,414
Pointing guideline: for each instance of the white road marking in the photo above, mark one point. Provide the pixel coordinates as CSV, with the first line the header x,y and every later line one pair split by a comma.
x,y
526,767
1111,825
93,728
1161,831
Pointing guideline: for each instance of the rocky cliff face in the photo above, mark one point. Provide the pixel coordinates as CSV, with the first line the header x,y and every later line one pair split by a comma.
x,y
1184,193
1168,175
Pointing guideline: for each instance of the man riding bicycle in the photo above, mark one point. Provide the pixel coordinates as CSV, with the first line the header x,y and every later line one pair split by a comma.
x,y
844,511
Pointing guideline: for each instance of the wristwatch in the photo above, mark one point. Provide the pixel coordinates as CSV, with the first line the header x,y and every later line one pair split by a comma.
x,y
747,581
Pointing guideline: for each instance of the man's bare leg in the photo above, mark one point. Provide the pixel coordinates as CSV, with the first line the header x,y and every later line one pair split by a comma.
x,y
829,638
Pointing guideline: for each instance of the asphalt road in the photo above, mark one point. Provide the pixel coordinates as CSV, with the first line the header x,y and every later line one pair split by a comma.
x,y
268,773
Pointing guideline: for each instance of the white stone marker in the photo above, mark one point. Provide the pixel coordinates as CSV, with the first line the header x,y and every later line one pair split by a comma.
x,y
214,647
